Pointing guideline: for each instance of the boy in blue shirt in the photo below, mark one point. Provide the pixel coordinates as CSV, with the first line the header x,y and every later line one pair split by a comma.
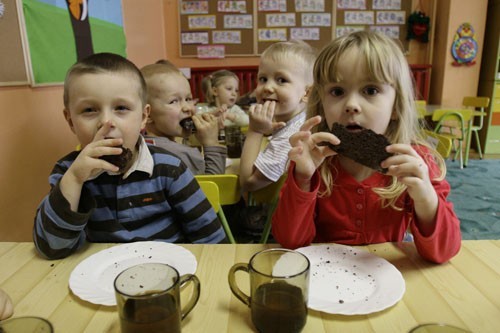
x,y
152,196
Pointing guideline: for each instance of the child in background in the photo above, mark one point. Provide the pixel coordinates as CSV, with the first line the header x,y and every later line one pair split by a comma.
x,y
362,81
221,90
6,308
284,80
147,194
169,95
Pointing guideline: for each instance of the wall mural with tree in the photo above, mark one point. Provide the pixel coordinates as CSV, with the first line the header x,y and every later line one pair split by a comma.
x,y
60,32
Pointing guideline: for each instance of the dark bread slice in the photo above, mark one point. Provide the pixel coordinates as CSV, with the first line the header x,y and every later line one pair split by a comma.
x,y
188,124
365,147
121,160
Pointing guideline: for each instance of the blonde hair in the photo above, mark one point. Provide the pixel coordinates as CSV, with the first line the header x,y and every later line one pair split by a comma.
x,y
214,80
160,67
302,53
99,63
385,63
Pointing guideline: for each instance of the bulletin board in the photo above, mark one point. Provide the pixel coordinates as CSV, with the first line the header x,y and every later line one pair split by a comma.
x,y
310,21
316,22
388,17
215,29
12,60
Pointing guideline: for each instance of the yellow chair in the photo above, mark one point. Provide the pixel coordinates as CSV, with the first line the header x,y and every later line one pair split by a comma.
x,y
268,195
229,192
421,108
211,190
454,121
441,143
476,104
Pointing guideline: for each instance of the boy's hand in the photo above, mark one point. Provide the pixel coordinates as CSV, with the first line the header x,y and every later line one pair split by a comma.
x,y
305,151
261,118
88,163
207,129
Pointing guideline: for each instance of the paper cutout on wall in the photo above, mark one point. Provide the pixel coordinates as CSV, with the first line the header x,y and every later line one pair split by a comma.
x,y
464,46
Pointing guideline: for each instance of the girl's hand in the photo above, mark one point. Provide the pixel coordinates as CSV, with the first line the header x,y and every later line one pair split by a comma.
x,y
207,129
410,169
261,118
88,164
305,151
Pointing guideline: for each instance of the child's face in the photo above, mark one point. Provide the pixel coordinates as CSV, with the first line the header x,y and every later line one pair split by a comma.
x,y
356,101
96,99
171,101
226,92
284,83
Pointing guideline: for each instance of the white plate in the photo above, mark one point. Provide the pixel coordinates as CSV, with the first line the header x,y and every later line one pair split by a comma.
x,y
92,280
350,281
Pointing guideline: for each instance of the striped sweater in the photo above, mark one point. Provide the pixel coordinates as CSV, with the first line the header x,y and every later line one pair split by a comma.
x,y
166,206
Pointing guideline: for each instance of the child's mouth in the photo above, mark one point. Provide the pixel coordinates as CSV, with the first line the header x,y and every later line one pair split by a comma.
x,y
354,128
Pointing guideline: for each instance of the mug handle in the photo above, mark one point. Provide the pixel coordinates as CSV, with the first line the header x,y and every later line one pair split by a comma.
x,y
194,297
232,282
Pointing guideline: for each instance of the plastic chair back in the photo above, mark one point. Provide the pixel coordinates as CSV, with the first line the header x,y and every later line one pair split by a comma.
x,y
441,143
476,102
212,193
267,195
421,108
229,187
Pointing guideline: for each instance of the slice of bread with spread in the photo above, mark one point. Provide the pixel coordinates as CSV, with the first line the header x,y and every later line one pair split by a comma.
x,y
365,147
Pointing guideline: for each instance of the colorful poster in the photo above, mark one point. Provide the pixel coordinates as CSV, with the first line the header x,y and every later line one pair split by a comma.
x,y
60,32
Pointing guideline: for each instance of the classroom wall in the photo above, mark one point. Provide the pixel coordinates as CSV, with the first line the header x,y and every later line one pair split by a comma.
x,y
450,83
34,134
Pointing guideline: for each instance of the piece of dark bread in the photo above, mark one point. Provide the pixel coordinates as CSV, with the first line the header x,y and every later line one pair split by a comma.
x,y
188,124
365,147
121,160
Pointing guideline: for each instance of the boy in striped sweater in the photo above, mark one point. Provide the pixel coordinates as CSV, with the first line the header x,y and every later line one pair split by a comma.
x,y
151,196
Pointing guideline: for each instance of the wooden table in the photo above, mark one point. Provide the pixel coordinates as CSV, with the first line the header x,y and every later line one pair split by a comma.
x,y
464,292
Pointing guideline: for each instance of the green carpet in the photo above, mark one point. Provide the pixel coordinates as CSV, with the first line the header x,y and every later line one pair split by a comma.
x,y
475,193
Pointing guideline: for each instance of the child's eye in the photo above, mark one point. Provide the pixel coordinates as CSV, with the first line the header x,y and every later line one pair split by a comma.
x,y
371,91
281,80
173,101
262,79
336,91
88,110
122,108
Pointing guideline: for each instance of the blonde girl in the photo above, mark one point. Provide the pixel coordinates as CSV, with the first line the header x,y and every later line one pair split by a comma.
x,y
363,81
221,91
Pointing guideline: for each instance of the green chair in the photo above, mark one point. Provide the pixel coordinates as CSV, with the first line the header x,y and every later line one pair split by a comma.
x,y
476,104
451,123
268,195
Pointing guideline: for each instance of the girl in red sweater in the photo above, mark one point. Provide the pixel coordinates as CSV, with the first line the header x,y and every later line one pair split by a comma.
x,y
363,81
